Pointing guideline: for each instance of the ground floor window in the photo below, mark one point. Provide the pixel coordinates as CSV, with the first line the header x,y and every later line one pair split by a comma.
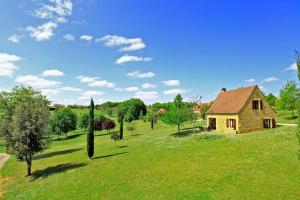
x,y
267,123
231,123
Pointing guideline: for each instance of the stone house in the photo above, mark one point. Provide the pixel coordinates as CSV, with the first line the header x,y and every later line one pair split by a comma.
x,y
241,110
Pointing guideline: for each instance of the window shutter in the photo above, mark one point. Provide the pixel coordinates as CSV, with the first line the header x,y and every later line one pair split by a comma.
x,y
227,123
234,124
261,104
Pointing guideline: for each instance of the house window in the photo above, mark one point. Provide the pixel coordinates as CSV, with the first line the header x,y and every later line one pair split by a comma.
x,y
267,123
231,123
257,105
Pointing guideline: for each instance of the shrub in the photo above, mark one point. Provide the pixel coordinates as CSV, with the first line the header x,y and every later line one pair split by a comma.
x,y
83,121
133,109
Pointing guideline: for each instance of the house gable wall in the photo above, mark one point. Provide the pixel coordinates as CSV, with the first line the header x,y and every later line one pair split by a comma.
x,y
251,120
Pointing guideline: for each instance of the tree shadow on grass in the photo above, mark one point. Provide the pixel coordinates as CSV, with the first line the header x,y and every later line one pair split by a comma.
x,y
110,155
56,153
44,173
184,133
69,137
103,134
210,136
120,147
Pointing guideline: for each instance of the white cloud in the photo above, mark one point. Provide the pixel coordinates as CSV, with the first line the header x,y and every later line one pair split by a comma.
x,y
146,95
58,10
36,82
270,79
101,83
90,94
52,72
70,89
148,86
171,83
119,89
87,38
132,89
125,44
87,79
69,37
292,67
7,64
4,58
50,93
95,82
175,91
251,80
15,38
43,32
138,74
127,58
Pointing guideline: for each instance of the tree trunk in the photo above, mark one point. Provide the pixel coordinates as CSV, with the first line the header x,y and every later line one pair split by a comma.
x,y
178,126
195,126
121,126
152,123
293,113
28,161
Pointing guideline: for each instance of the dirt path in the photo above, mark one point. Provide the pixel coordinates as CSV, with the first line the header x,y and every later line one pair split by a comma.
x,y
3,158
283,124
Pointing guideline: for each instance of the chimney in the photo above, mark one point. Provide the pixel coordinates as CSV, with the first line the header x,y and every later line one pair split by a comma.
x,y
223,89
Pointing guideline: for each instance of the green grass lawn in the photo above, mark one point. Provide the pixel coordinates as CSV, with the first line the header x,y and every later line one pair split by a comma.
x,y
160,165
285,116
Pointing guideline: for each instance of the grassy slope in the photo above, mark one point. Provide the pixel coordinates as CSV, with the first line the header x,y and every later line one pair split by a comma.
x,y
285,116
157,165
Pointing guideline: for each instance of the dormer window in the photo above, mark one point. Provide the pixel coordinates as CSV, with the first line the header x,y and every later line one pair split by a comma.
x,y
257,105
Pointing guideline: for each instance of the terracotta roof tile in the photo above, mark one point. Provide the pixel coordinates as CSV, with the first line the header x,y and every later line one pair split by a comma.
x,y
231,102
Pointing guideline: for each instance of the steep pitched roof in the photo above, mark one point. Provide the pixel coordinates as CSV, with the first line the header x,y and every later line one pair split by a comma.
x,y
231,102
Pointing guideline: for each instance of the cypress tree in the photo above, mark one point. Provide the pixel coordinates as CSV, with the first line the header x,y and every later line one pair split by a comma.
x,y
121,124
90,134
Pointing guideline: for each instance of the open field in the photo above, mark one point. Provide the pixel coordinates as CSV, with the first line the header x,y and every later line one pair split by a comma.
x,y
160,165
285,116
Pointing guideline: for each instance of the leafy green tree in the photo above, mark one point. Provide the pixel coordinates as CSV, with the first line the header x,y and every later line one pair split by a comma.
x,y
194,100
83,121
109,112
63,121
204,108
271,99
115,136
289,96
30,134
24,117
90,134
297,53
177,114
134,107
178,101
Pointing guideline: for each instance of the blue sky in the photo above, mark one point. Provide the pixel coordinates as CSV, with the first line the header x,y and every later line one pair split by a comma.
x,y
117,49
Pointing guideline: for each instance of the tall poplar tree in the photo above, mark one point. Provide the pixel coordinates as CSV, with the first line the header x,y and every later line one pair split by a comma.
x,y
90,134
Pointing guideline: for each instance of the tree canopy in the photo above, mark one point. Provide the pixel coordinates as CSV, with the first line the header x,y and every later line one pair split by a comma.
x,y
24,117
289,96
